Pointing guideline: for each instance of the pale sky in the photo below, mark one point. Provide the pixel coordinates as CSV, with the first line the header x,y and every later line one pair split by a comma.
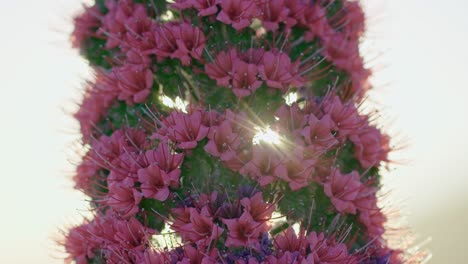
x,y
420,52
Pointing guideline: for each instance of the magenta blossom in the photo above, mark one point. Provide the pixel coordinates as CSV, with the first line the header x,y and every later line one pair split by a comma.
x,y
222,67
245,79
134,83
239,14
296,171
185,129
263,164
326,250
279,72
288,241
124,198
205,7
259,210
115,22
168,161
182,4
318,134
190,42
370,146
291,118
345,117
223,141
272,13
86,25
154,182
80,245
243,231
343,190
252,56
201,229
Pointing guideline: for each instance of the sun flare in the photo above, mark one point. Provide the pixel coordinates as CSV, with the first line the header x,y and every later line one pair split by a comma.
x,y
266,135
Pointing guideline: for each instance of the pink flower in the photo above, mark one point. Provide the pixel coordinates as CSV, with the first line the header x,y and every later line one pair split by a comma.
x,y
167,161
123,198
315,19
201,229
252,56
125,167
263,164
296,10
272,13
154,182
205,7
164,40
223,142
343,190
203,254
296,171
291,118
136,58
85,175
92,109
318,135
131,233
370,146
290,258
244,80
354,20
151,256
186,130
134,83
190,42
114,23
181,217
178,40
97,99
86,25
221,69
80,245
345,116
326,250
212,118
181,4
288,241
230,140
258,209
278,71
239,14
137,26
120,153
243,231
370,214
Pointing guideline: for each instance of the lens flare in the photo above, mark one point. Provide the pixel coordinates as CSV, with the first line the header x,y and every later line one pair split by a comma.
x,y
266,135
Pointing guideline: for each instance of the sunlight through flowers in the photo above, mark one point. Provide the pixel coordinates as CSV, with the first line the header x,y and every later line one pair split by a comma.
x,y
178,103
266,135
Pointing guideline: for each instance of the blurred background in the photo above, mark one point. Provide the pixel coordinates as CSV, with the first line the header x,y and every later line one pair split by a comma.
x,y
418,48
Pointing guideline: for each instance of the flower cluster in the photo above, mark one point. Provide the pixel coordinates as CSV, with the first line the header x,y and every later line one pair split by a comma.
x,y
129,171
119,240
244,72
281,167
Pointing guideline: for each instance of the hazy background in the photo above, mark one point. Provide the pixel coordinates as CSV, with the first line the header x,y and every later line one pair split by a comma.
x,y
417,47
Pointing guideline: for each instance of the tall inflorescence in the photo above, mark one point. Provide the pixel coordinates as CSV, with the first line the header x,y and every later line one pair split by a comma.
x,y
228,131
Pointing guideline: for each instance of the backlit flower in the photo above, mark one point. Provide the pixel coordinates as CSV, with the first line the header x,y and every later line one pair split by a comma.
x,y
343,190
244,79
243,231
370,146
